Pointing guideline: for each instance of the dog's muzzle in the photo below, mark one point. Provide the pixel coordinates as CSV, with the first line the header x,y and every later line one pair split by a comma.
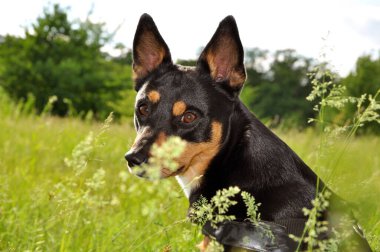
x,y
135,159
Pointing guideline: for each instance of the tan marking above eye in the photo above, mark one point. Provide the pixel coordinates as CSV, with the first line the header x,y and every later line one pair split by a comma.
x,y
154,96
179,108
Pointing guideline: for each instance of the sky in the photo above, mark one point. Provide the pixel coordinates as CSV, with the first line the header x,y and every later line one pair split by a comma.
x,y
343,30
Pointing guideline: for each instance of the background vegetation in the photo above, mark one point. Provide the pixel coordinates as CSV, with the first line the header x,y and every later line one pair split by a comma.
x,y
63,58
63,188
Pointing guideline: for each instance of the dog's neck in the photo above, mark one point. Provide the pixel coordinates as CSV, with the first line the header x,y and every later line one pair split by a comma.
x,y
192,179
252,157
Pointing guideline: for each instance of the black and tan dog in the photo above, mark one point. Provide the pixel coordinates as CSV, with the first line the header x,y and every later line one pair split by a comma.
x,y
226,144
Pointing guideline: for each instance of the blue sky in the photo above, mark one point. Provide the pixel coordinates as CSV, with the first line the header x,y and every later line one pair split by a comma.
x,y
352,27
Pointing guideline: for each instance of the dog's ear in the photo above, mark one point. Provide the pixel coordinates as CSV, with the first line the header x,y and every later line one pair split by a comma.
x,y
223,57
149,48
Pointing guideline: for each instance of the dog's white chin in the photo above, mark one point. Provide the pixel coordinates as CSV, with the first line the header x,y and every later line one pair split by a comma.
x,y
188,181
184,183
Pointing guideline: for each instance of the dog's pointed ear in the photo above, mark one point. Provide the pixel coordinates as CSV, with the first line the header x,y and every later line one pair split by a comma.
x,y
149,48
223,57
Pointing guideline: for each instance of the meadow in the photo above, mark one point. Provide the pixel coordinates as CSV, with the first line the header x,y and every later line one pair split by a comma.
x,y
63,188
64,183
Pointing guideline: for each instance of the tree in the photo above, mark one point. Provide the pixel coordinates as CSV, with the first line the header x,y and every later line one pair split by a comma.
x,y
279,93
125,55
186,62
62,58
255,59
365,79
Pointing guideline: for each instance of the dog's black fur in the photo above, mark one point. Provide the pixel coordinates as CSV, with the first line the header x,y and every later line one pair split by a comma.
x,y
248,154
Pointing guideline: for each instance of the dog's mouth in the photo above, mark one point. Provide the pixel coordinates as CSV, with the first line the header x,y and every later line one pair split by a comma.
x,y
163,173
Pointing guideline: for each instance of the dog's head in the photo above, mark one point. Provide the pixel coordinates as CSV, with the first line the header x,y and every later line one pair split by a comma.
x,y
194,103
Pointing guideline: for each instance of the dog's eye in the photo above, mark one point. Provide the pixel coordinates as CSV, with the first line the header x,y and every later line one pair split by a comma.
x,y
188,117
143,109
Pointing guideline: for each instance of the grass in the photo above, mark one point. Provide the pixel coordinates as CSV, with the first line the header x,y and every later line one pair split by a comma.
x,y
45,206
139,215
356,177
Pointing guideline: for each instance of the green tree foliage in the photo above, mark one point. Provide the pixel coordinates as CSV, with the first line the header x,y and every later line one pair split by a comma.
x,y
364,79
125,55
62,58
186,62
278,93
255,59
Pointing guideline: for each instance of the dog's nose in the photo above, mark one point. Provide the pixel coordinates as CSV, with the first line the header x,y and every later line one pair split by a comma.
x,y
135,158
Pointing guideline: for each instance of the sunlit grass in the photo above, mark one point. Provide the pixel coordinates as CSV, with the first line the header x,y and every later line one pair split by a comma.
x,y
356,177
131,214
140,216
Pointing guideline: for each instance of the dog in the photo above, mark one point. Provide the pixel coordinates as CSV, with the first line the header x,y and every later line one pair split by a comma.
x,y
226,145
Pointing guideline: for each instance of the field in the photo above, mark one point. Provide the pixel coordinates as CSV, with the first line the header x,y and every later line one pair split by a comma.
x,y
55,199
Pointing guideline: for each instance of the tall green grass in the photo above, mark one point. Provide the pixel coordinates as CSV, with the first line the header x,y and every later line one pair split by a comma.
x,y
47,204
356,177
